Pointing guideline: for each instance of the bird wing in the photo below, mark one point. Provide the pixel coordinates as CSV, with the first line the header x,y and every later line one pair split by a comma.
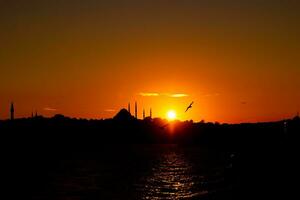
x,y
190,106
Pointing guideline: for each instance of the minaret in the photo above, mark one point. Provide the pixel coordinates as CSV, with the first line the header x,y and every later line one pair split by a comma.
x,y
135,114
129,108
143,113
150,113
12,111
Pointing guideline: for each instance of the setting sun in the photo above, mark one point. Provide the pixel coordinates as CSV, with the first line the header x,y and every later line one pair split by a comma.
x,y
171,114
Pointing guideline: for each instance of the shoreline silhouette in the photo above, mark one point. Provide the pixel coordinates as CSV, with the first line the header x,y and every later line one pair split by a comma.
x,y
125,128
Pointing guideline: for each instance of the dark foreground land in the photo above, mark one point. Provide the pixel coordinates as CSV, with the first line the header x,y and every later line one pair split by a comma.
x,y
62,158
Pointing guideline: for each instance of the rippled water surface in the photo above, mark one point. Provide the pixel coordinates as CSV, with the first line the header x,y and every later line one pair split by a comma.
x,y
140,172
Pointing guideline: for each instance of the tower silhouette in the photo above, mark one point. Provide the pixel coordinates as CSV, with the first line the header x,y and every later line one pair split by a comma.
x,y
129,108
144,114
150,113
12,111
135,110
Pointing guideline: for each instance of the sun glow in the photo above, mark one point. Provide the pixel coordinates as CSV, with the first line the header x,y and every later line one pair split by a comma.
x,y
171,114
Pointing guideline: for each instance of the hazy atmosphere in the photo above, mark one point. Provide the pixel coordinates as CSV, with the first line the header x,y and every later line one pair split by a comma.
x,y
237,60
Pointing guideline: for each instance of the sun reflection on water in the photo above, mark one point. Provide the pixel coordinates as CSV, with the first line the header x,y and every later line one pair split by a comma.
x,y
171,177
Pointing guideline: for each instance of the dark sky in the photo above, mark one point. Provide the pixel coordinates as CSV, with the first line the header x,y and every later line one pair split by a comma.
x,y
238,60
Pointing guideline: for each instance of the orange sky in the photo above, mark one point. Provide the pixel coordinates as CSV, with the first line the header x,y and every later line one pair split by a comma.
x,y
238,61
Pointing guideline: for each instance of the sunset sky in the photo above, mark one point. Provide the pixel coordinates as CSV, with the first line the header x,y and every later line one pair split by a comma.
x,y
239,61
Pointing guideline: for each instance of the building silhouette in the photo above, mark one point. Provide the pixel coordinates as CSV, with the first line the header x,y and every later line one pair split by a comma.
x,y
129,108
297,117
123,115
135,110
150,113
12,111
144,114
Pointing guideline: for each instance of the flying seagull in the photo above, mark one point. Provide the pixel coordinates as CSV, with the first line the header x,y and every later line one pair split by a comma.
x,y
190,106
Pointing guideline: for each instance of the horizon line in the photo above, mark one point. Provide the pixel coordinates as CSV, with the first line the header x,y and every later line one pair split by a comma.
x,y
176,120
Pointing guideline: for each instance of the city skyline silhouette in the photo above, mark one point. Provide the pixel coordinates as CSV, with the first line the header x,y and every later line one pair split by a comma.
x,y
143,114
